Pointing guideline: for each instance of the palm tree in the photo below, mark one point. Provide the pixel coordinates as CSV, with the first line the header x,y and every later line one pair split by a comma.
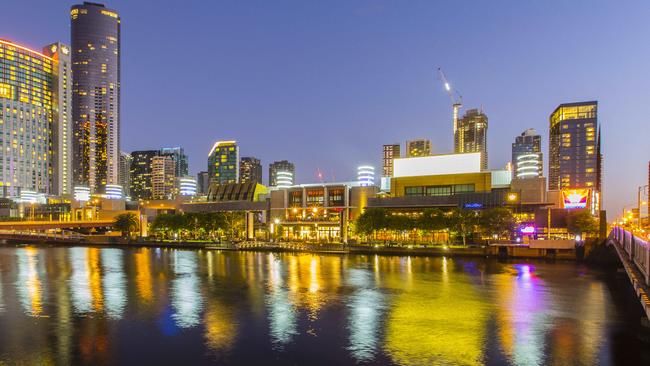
x,y
126,223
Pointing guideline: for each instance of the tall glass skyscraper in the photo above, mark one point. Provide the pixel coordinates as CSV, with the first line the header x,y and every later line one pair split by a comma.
x,y
574,149
96,95
282,173
250,170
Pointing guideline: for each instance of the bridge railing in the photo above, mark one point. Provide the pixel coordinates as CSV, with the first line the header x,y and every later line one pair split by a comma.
x,y
637,250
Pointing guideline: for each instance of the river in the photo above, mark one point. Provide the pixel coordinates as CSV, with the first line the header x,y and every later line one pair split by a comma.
x,y
97,306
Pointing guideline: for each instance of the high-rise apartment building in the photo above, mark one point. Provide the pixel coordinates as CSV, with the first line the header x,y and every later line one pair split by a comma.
x,y
391,152
250,170
163,177
471,135
419,147
34,117
141,170
574,149
223,162
527,157
181,160
125,172
282,173
62,123
96,95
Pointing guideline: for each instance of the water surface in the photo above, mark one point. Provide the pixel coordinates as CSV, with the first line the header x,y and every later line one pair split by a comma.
x,y
160,306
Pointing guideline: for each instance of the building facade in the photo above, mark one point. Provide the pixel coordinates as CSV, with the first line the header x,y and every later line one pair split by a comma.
x,y
141,171
471,135
419,147
202,183
125,173
250,170
62,121
223,162
282,173
34,110
527,157
95,35
574,149
180,159
163,177
390,152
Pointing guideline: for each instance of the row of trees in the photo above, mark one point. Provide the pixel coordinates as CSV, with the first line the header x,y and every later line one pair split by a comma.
x,y
495,222
204,225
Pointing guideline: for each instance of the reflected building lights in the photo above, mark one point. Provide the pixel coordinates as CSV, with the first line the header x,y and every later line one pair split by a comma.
x,y
186,295
282,314
79,284
114,282
366,306
143,278
28,283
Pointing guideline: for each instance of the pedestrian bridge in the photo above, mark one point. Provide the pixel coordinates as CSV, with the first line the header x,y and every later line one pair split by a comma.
x,y
25,237
634,253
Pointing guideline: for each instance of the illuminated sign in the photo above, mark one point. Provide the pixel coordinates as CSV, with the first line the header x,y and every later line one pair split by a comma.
x,y
575,198
527,230
437,165
473,205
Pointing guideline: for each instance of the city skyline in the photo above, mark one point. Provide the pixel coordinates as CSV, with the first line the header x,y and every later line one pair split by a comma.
x,y
409,104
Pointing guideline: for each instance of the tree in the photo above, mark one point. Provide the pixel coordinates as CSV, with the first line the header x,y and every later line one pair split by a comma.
x,y
497,221
581,222
371,220
463,222
126,223
432,219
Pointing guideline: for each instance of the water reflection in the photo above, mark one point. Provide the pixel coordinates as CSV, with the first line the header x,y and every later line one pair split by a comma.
x,y
366,306
108,306
114,282
282,314
186,294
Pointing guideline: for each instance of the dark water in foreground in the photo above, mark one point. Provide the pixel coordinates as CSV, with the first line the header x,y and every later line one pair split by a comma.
x,y
155,307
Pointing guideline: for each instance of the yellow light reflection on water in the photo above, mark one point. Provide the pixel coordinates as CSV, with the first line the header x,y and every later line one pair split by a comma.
x,y
433,324
28,283
143,278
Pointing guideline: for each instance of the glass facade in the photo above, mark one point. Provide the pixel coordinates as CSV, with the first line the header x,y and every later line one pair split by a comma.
x,y
527,157
223,162
96,95
281,166
391,152
574,147
250,170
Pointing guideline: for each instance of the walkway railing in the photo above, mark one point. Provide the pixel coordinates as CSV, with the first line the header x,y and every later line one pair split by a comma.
x,y
636,249
63,235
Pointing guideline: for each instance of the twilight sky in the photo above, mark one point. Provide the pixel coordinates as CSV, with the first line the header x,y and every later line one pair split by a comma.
x,y
325,84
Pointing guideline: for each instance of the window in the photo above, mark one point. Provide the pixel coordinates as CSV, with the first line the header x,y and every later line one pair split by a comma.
x,y
439,191
464,188
413,191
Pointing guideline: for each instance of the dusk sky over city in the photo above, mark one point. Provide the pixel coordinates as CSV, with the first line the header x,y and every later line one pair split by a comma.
x,y
325,84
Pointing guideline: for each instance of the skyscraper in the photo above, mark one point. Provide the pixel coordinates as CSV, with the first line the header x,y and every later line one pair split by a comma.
x,y
180,159
471,135
391,152
527,157
125,172
419,147
163,177
223,162
574,149
250,170
62,123
96,95
34,110
141,170
286,169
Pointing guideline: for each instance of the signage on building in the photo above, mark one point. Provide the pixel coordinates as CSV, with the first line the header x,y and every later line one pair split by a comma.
x,y
473,205
575,198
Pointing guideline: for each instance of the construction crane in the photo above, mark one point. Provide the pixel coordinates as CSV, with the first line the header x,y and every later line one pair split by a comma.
x,y
454,95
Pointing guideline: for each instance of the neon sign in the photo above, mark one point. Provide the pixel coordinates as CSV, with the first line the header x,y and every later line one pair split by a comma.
x,y
575,198
473,205
527,230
